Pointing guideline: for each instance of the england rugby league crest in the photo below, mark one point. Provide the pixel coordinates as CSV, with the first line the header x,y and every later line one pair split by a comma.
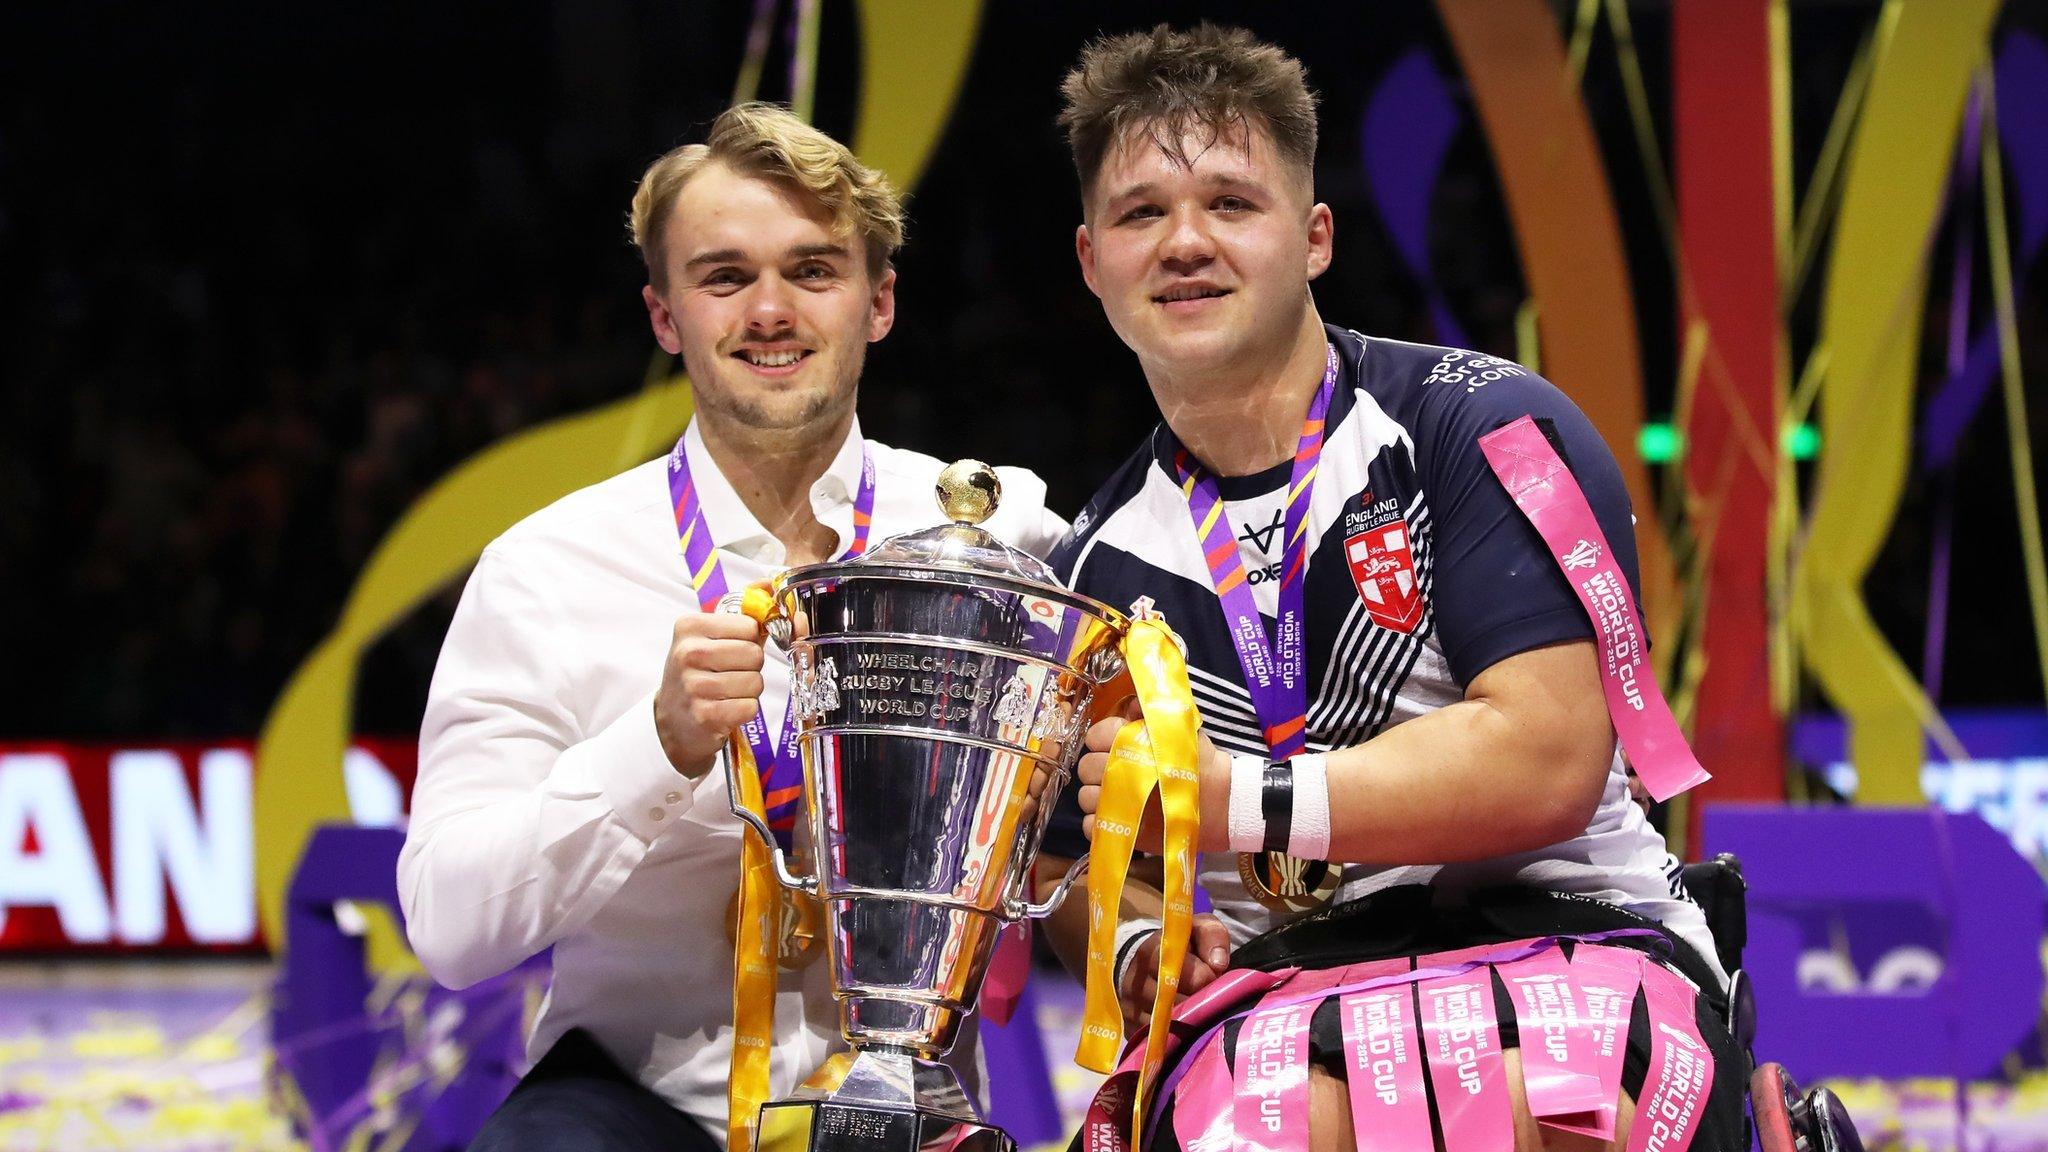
x,y
1382,567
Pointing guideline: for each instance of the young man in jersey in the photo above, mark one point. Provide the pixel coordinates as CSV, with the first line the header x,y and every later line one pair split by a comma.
x,y
1316,519
572,785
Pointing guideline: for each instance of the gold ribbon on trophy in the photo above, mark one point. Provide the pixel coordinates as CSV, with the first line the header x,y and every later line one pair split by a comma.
x,y
754,960
1157,751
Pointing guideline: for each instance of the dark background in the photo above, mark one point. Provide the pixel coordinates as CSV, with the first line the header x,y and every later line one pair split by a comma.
x,y
267,271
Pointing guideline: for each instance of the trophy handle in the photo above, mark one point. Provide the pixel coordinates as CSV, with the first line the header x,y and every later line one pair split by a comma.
x,y
788,879
1019,910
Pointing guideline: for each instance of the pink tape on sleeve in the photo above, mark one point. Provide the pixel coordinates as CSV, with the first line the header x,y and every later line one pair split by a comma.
x,y
1681,1071
1383,1070
1607,979
1271,1106
1557,1048
1547,493
1461,1046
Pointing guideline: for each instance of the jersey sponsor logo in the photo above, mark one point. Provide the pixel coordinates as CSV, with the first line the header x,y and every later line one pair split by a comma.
x,y
1383,568
1261,575
1472,370
1262,538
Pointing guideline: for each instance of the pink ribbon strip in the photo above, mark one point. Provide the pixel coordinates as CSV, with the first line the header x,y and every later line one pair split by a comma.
x,y
1270,1111
1461,1044
1107,1125
1681,1071
1202,1112
1384,1070
1558,1078
1607,980
1009,969
1547,493
1270,1107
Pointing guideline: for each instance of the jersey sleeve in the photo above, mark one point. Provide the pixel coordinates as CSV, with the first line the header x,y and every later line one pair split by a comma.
x,y
1498,592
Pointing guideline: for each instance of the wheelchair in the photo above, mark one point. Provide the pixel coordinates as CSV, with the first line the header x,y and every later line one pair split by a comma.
x,y
1784,1119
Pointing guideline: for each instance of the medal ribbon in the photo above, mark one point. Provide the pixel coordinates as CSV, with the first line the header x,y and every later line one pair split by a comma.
x,y
754,947
1156,752
1275,673
781,769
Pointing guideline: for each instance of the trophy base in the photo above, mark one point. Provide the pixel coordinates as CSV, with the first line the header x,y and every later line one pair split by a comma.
x,y
888,1101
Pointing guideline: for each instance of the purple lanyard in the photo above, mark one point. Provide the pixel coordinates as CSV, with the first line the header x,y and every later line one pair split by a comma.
x,y
1276,673
781,768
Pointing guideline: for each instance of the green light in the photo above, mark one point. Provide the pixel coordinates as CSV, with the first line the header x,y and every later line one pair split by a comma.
x,y
1660,443
1803,442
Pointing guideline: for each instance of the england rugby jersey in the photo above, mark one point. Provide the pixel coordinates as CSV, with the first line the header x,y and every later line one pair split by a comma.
x,y
1422,573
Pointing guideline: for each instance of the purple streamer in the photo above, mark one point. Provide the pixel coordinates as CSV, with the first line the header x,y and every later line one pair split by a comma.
x,y
1410,120
1969,165
2021,72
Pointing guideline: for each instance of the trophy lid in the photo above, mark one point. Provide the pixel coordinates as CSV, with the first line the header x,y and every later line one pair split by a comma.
x,y
968,493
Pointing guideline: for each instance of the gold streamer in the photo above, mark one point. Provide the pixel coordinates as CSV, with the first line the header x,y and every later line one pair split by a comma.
x,y
2024,499
1877,275
804,65
1820,200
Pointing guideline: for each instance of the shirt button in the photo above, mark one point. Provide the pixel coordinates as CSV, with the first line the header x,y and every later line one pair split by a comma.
x,y
674,797
656,813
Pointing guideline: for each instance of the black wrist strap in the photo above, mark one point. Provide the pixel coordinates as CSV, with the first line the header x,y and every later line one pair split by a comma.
x,y
1276,804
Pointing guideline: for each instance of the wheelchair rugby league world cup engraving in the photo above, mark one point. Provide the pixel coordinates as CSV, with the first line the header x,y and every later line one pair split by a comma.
x,y
934,677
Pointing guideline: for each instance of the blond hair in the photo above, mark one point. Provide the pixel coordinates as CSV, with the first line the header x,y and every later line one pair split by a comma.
x,y
1166,83
768,140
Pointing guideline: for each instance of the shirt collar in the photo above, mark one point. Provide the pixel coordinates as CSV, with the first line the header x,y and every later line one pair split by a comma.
x,y
733,527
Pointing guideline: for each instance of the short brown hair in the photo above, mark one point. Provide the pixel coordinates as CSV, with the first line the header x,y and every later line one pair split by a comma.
x,y
1167,83
769,140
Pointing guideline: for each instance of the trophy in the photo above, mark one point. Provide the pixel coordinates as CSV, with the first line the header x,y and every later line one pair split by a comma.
x,y
932,678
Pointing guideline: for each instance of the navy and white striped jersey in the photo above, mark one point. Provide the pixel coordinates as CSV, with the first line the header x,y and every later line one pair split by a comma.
x,y
1422,573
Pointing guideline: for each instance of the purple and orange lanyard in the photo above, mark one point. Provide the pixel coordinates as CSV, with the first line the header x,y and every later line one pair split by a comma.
x,y
780,764
1275,672
1545,491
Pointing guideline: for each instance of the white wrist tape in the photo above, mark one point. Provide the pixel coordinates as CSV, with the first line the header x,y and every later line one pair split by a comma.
x,y
1247,810
1127,934
1308,837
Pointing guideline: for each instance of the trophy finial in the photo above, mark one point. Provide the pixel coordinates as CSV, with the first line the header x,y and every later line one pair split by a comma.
x,y
969,491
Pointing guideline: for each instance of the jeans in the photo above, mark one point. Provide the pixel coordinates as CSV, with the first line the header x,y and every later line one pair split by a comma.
x,y
577,1099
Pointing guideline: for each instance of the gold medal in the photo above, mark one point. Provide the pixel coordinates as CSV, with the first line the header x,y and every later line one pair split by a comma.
x,y
1288,884
799,928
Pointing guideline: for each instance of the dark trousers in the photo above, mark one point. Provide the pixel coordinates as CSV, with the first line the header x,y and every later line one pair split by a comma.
x,y
578,1100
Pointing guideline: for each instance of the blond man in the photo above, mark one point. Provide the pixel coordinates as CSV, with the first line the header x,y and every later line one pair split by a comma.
x,y
572,787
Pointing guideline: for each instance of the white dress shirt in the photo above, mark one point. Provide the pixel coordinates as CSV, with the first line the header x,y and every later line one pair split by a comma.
x,y
546,812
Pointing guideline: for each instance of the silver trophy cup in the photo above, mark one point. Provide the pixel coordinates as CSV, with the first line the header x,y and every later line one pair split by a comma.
x,y
934,677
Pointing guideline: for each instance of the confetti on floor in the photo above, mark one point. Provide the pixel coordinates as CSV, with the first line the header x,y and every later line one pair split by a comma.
x,y
159,1056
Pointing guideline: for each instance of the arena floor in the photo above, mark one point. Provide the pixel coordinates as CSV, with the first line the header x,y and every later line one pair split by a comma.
x,y
128,1056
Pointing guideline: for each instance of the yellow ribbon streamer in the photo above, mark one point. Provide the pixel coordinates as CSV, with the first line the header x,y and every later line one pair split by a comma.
x,y
1156,752
753,966
1891,199
2024,498
754,974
